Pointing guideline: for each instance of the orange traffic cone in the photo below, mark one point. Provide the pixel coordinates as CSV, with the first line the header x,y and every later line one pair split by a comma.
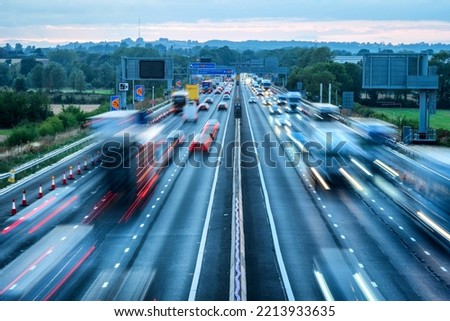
x,y
79,169
53,186
13,209
64,180
85,164
40,194
70,172
24,199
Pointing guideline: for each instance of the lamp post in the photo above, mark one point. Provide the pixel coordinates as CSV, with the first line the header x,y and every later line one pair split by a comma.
x,y
153,96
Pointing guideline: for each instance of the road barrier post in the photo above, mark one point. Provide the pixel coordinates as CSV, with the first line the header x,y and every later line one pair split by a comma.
x,y
53,186
40,193
70,172
13,208
24,198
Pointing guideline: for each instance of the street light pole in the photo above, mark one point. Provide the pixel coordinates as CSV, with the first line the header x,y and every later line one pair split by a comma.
x,y
153,96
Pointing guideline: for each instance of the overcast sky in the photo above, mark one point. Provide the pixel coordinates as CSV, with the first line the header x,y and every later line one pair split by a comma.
x,y
51,22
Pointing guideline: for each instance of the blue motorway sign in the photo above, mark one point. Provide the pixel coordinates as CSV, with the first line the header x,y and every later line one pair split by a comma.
x,y
215,71
196,65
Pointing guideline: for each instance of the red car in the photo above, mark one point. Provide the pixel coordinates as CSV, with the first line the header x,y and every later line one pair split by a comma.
x,y
203,140
211,128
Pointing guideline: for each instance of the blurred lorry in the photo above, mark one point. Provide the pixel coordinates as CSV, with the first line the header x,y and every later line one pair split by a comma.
x,y
207,86
179,100
193,92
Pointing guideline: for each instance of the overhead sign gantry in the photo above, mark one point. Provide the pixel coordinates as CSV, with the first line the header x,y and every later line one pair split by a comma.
x,y
405,72
141,69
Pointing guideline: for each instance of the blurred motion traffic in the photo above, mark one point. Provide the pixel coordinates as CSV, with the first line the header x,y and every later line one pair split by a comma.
x,y
330,207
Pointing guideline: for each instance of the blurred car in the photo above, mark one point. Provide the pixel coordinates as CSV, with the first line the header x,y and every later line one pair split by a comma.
x,y
211,128
340,280
203,140
226,97
200,142
267,102
282,121
175,137
252,100
222,105
203,106
289,109
275,110
209,100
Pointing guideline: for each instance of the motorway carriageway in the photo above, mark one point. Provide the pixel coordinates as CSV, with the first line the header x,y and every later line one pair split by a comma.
x,y
176,244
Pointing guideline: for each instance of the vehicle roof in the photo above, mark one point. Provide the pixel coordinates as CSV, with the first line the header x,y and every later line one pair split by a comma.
x,y
180,93
371,122
294,94
175,132
201,138
212,122
116,114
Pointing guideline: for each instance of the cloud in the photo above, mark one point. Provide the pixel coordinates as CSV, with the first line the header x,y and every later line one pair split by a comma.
x,y
16,13
240,30
62,21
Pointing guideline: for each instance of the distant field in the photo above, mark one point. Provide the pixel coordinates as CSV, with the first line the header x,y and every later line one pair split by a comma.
x,y
92,91
57,108
103,91
440,120
5,132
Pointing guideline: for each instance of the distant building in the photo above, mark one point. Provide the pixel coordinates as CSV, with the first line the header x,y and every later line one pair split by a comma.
x,y
348,59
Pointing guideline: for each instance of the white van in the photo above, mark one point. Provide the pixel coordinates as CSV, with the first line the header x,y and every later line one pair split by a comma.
x,y
190,112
